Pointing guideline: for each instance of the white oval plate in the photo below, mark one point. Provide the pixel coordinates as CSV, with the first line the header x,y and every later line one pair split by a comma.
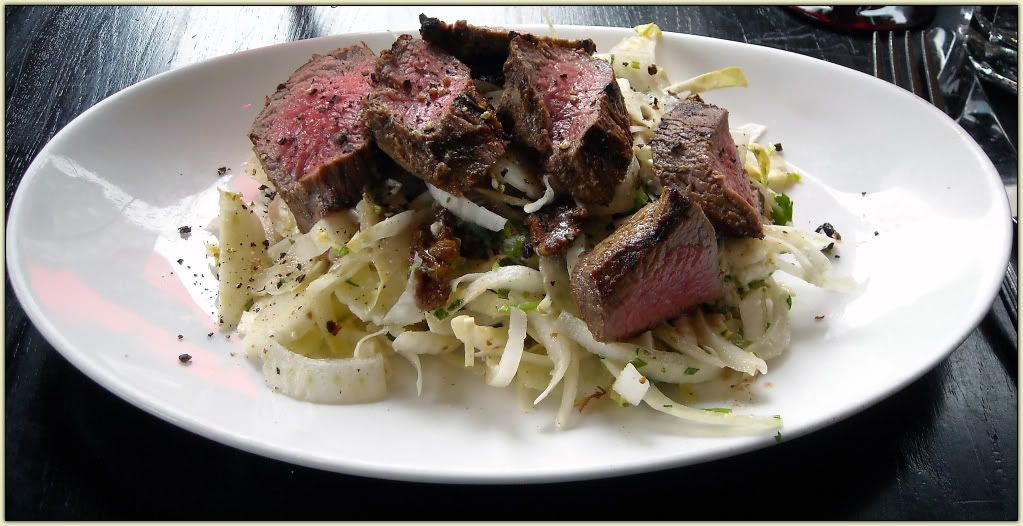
x,y
93,243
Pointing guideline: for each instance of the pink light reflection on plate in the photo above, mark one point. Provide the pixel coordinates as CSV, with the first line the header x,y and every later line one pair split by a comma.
x,y
64,292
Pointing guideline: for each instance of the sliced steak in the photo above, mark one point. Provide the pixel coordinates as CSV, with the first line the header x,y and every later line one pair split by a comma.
x,y
310,137
694,152
554,227
661,262
427,115
437,248
483,49
566,106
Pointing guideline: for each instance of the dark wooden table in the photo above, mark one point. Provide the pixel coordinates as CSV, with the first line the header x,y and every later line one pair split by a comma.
x,y
943,448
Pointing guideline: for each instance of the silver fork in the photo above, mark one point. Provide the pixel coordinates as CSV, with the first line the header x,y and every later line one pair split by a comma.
x,y
896,60
900,59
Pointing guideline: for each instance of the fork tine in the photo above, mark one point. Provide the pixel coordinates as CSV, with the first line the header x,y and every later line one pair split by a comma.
x,y
897,62
914,58
931,70
881,69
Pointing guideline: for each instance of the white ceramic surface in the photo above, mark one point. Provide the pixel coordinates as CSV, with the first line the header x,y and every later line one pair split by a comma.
x,y
93,243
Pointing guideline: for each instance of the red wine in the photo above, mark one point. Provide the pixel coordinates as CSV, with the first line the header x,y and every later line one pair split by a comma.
x,y
867,18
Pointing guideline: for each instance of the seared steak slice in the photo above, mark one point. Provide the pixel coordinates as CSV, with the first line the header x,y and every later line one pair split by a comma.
x,y
426,114
437,248
566,105
661,262
694,152
310,137
554,227
483,49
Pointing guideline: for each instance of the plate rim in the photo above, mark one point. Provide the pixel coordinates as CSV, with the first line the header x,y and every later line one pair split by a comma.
x,y
78,355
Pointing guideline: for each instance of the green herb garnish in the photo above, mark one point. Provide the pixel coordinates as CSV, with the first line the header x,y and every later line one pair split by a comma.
x,y
781,209
691,370
390,337
635,64
637,362
503,293
721,410
757,283
528,306
342,251
788,301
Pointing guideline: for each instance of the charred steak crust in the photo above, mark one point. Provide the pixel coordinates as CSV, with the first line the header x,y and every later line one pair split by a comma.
x,y
483,49
661,262
310,138
426,114
554,227
567,107
437,251
694,152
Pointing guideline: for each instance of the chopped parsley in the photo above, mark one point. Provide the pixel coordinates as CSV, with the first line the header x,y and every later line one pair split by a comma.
x,y
502,293
757,283
529,305
740,342
691,370
342,251
721,410
442,312
637,362
781,209
635,64
788,301
525,306
514,246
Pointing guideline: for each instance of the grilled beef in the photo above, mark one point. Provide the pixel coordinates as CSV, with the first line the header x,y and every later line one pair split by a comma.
x,y
661,262
694,152
483,49
426,114
554,227
310,137
566,105
437,248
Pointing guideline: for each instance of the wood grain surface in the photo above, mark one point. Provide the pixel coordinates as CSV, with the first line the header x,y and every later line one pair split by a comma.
x,y
946,447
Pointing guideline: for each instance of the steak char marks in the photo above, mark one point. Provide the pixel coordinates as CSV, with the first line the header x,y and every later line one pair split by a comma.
x,y
553,228
694,152
437,248
483,49
567,107
310,138
661,262
426,114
